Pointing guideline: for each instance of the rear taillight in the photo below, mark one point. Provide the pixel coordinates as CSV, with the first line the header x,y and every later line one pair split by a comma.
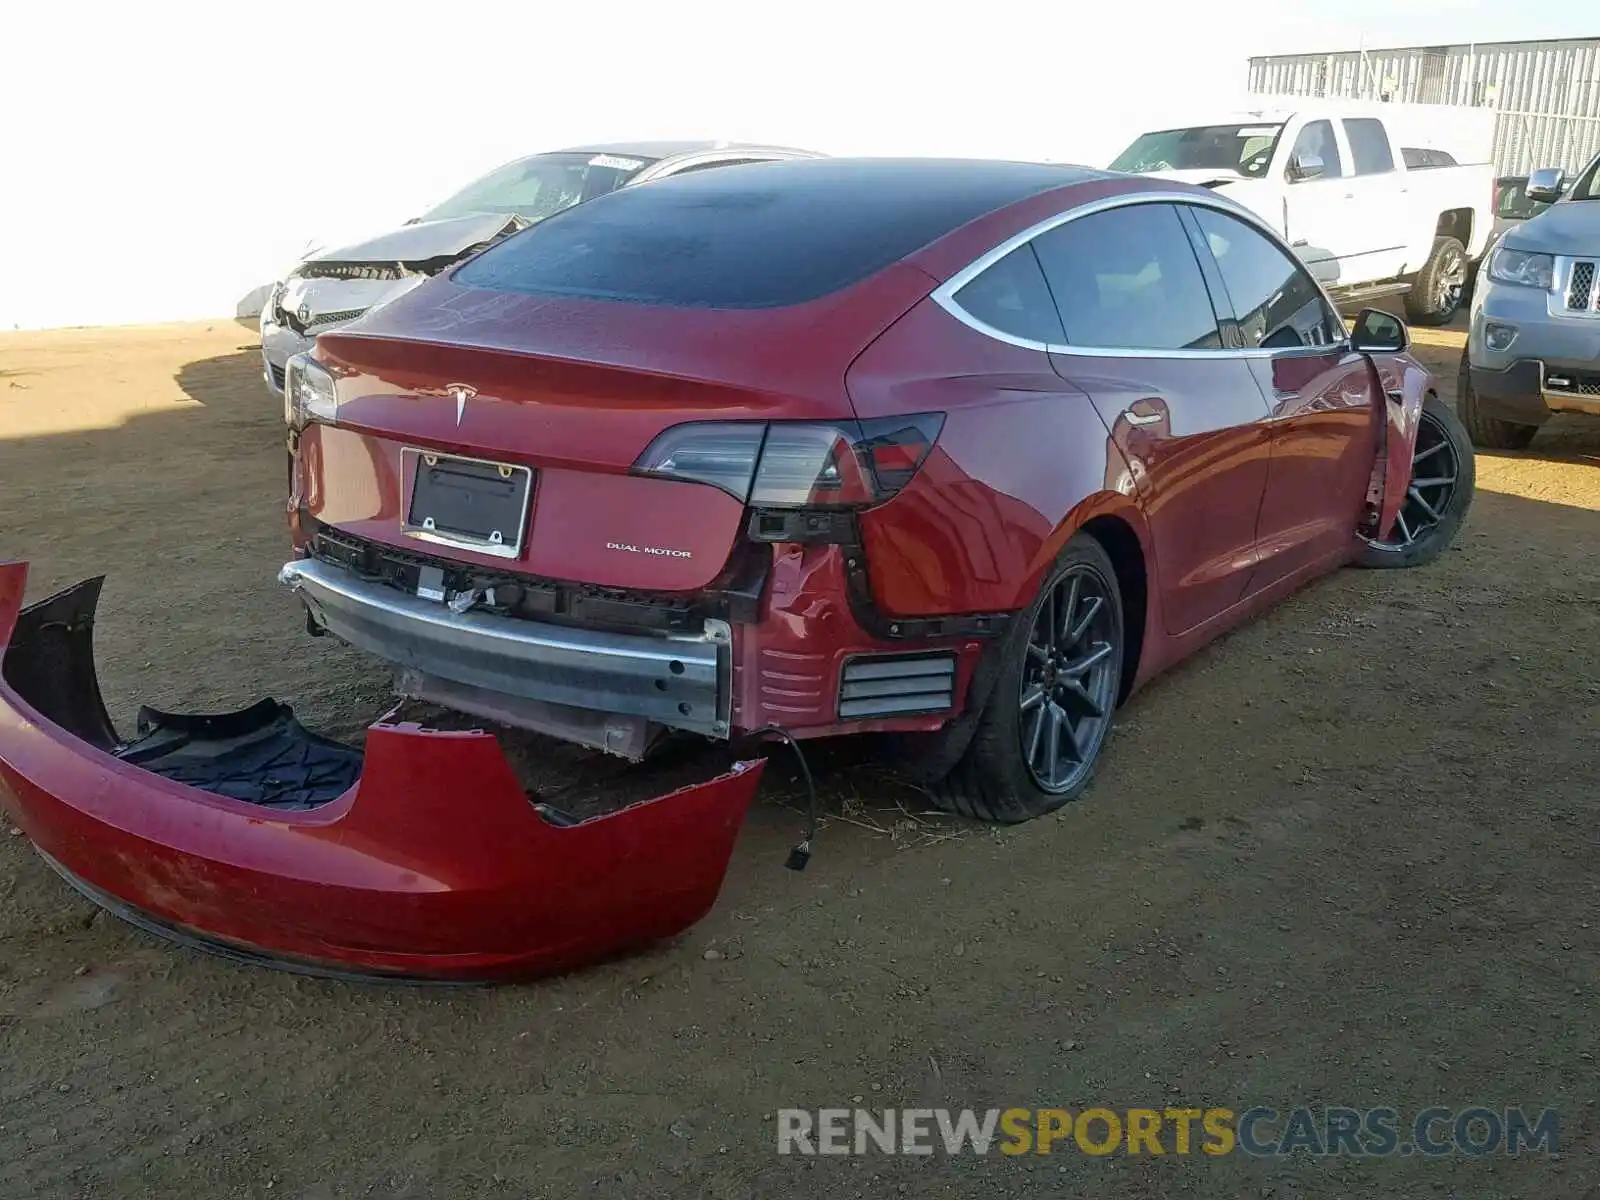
x,y
721,453
796,464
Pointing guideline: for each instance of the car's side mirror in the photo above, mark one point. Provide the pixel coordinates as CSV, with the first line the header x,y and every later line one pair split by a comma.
x,y
1378,332
1306,166
1544,185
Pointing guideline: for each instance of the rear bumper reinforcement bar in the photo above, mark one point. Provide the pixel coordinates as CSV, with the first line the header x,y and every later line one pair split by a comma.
x,y
679,681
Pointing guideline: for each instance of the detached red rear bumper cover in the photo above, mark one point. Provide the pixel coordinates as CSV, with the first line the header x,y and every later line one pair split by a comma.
x,y
434,864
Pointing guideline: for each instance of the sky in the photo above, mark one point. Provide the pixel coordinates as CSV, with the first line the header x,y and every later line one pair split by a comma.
x,y
1348,24
163,159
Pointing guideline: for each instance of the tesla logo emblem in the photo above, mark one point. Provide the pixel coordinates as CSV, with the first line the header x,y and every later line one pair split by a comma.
x,y
461,392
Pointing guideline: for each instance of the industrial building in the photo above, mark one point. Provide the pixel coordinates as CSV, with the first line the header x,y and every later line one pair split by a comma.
x,y
1546,94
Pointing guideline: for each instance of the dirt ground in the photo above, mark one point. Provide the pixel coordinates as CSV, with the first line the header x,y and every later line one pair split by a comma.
x,y
1343,857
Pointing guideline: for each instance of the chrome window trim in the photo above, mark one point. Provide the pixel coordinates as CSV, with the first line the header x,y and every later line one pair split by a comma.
x,y
944,295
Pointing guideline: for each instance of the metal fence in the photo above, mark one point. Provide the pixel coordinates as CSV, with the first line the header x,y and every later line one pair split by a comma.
x,y
1546,95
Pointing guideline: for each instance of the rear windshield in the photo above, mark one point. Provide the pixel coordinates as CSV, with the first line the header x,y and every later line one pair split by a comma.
x,y
1419,159
758,236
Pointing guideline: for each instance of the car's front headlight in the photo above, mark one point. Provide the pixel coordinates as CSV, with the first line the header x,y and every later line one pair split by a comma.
x,y
1522,267
308,392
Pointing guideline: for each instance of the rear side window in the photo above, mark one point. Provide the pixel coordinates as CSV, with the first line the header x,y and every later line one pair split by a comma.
x,y
1012,297
1369,145
1274,299
1128,279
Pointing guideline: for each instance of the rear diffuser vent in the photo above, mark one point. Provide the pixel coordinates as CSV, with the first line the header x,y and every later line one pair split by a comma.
x,y
897,685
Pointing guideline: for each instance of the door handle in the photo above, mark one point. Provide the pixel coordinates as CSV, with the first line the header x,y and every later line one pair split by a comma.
x,y
1349,195
1136,418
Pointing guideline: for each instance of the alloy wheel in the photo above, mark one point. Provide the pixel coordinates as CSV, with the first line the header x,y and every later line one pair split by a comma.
x,y
1451,279
1069,682
1434,469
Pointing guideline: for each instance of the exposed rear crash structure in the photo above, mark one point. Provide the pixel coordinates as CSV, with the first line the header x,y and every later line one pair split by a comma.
x,y
418,857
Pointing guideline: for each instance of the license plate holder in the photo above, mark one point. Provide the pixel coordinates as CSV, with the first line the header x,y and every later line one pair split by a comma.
x,y
470,503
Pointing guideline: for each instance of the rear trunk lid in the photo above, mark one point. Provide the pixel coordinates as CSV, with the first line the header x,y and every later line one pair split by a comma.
x,y
573,390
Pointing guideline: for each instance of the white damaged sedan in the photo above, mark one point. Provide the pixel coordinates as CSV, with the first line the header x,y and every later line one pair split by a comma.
x,y
331,288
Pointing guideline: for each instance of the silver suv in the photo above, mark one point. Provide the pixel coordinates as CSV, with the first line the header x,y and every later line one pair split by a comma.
x,y
1534,345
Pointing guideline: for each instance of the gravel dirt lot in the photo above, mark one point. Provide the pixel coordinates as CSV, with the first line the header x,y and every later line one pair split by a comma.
x,y
1343,857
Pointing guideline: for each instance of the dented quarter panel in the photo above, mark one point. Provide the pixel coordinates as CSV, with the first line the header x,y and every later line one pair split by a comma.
x,y
787,667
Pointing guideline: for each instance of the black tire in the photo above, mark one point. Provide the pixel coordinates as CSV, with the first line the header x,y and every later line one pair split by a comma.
x,y
1436,292
997,778
1489,432
1444,477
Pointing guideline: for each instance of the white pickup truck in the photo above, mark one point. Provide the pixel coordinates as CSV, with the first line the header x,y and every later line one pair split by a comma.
x,y
1377,199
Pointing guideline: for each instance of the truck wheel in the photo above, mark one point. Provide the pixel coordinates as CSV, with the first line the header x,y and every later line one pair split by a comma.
x,y
1436,292
1489,432
1035,745
1443,479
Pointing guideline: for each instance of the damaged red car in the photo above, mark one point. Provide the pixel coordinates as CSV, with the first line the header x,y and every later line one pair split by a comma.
x,y
954,452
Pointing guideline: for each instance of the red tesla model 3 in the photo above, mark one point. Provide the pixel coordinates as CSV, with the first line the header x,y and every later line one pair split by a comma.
x,y
957,452
961,450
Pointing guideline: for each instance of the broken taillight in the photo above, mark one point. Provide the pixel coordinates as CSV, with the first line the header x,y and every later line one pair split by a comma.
x,y
796,464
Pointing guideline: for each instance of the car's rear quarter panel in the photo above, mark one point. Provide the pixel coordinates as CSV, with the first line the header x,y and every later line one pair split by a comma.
x,y
788,667
1022,461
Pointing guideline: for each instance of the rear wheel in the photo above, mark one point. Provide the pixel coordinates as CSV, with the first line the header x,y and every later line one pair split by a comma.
x,y
1436,292
1443,478
1489,432
1046,721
